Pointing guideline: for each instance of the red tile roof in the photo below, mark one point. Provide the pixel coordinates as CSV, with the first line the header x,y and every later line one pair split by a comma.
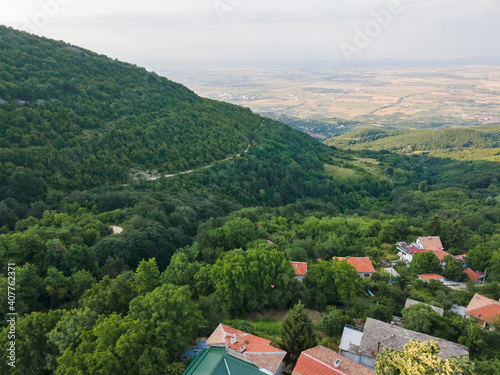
x,y
461,258
321,361
431,243
473,275
361,264
248,347
299,267
410,248
430,276
484,308
439,253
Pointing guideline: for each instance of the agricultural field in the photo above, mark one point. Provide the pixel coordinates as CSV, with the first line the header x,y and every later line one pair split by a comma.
x,y
336,101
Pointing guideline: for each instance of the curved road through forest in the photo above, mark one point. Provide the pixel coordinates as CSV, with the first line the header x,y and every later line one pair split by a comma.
x,y
151,178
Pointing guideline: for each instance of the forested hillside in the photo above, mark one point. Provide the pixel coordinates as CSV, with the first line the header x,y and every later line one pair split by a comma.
x,y
201,248
70,118
419,140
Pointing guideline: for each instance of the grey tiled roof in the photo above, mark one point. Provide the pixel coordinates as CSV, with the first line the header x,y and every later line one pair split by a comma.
x,y
395,337
411,302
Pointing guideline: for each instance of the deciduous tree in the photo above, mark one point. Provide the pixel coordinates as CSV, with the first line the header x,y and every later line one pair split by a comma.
x,y
420,318
454,269
425,262
32,347
56,284
110,295
146,276
159,327
420,358
251,280
337,280
478,258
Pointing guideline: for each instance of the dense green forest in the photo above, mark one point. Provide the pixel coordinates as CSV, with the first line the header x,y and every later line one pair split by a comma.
x,y
213,245
71,118
479,137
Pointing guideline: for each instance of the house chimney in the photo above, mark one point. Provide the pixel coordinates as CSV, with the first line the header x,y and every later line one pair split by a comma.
x,y
233,340
392,324
243,348
337,363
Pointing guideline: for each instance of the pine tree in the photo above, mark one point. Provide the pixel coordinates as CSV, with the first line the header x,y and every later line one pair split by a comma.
x,y
297,333
435,226
456,236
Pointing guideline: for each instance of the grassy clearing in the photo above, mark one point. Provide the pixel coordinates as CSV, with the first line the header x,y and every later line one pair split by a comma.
x,y
267,324
489,154
340,173
266,328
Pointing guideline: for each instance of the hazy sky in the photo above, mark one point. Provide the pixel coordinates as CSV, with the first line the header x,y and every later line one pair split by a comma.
x,y
217,31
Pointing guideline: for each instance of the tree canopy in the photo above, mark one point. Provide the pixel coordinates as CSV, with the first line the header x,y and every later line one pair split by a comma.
x,y
425,262
336,280
420,358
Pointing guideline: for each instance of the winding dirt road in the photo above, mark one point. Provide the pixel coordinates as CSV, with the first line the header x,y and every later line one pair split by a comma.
x,y
152,178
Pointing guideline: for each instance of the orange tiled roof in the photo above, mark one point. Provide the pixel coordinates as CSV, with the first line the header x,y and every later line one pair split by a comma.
x,y
461,257
430,276
248,347
473,275
439,253
431,242
361,264
320,361
484,308
299,267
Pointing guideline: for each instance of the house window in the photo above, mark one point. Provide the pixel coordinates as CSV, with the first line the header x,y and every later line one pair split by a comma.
x,y
367,275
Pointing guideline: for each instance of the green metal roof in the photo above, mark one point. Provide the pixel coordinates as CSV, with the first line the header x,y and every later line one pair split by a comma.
x,y
216,361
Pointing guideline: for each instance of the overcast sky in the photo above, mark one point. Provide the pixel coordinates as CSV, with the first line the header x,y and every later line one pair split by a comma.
x,y
239,31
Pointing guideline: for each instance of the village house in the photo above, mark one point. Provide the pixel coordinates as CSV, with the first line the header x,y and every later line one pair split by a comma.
x,y
241,350
363,345
216,361
323,361
431,276
364,266
300,269
485,310
406,252
474,276
430,243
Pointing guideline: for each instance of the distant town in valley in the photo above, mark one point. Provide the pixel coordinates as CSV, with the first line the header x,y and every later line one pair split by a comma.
x,y
325,102
279,219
